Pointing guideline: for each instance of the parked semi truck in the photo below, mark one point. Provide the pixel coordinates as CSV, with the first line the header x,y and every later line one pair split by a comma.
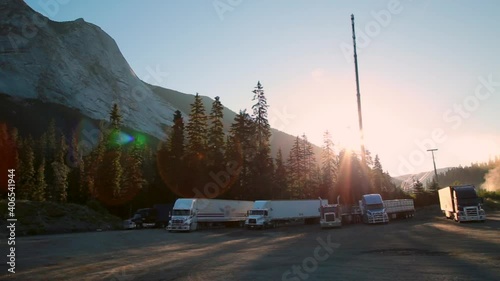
x,y
461,203
158,216
329,215
268,213
372,209
399,208
190,214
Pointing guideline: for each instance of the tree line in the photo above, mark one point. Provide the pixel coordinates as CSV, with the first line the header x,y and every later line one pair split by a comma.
x,y
198,158
52,167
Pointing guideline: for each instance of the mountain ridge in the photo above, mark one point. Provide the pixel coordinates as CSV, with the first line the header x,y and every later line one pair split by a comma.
x,y
78,65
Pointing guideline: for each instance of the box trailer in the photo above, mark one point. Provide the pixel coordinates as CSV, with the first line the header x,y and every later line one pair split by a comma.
x,y
461,203
399,208
189,214
269,213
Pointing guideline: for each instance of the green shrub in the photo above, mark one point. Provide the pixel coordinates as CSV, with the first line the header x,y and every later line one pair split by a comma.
x,y
54,210
96,206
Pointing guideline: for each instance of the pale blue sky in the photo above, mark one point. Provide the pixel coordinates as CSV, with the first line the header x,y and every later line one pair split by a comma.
x,y
414,67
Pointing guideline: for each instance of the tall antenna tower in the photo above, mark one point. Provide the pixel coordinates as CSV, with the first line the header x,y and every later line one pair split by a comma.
x,y
358,95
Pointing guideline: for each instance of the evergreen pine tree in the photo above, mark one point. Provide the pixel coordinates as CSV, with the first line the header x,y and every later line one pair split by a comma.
x,y
26,169
262,127
133,178
329,168
8,155
40,184
171,161
196,130
176,140
105,181
196,149
240,152
59,191
48,146
76,191
112,165
418,187
280,178
115,117
51,140
92,170
377,176
262,164
296,168
215,154
307,157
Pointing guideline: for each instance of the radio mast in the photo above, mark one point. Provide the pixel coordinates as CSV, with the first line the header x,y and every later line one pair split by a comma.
x,y
358,95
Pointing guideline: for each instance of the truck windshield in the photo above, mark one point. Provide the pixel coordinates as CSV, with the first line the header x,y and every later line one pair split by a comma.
x,y
468,201
180,212
375,206
329,209
258,212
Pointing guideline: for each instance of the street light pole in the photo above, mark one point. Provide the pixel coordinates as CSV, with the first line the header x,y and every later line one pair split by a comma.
x,y
434,162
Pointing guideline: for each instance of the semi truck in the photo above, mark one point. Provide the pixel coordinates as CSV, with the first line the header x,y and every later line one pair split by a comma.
x,y
158,216
189,214
269,213
399,208
461,203
329,215
372,209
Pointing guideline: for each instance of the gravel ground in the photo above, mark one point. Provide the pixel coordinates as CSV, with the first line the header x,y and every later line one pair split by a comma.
x,y
426,247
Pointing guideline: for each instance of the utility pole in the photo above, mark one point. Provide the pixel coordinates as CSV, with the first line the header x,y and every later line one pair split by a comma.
x,y
433,161
358,95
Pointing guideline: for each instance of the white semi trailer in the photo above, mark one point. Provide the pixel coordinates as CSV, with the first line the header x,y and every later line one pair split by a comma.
x,y
267,213
189,214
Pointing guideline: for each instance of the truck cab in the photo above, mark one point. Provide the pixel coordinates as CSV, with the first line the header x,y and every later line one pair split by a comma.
x,y
372,209
158,216
330,216
258,217
183,215
461,203
145,217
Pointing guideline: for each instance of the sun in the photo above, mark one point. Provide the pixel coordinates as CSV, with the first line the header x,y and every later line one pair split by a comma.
x,y
349,139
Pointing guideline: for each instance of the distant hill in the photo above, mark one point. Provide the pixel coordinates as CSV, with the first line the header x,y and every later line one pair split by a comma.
x,y
406,181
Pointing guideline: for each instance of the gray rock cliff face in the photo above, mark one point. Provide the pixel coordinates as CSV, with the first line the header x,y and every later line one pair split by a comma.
x,y
75,64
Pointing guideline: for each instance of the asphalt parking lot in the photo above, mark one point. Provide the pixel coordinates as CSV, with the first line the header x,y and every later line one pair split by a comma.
x,y
426,247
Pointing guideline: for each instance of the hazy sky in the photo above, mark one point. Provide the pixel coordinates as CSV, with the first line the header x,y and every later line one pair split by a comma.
x,y
429,70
